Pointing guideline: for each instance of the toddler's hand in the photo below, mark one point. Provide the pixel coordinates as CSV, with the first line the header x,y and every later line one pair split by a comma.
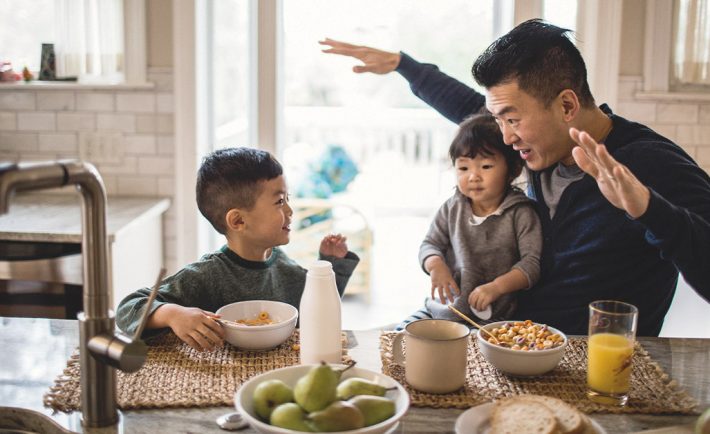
x,y
334,245
443,283
196,328
481,297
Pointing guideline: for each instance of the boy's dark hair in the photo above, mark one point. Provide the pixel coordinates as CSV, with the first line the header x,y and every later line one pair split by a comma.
x,y
480,133
229,178
541,57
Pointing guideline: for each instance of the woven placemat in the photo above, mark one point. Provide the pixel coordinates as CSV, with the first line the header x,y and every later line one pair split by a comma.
x,y
175,375
652,391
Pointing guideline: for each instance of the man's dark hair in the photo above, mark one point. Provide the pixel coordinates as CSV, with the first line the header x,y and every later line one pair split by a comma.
x,y
229,178
480,134
540,57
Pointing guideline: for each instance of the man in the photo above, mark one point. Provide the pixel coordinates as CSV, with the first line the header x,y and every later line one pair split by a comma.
x,y
620,219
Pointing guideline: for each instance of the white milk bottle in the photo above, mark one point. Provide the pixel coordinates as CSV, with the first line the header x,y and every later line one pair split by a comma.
x,y
319,316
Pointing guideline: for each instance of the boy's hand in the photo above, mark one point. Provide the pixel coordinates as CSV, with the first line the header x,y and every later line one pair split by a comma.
x,y
334,245
481,297
196,328
441,280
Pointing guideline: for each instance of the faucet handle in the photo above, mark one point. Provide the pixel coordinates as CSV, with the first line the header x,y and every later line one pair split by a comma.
x,y
119,350
148,304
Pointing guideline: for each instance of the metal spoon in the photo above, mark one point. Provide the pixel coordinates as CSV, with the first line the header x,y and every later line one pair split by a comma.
x,y
232,422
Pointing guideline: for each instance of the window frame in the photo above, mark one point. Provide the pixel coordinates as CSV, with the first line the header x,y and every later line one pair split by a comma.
x,y
658,58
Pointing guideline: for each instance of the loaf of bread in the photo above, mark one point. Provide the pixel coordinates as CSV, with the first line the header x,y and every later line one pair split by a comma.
x,y
538,414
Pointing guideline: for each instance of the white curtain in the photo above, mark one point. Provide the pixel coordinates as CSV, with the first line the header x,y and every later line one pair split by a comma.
x,y
691,57
90,40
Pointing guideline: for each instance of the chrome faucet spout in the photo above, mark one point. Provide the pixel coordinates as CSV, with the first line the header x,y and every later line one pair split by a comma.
x,y
100,347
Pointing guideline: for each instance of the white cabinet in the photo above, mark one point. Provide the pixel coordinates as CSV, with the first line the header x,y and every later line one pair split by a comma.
x,y
134,227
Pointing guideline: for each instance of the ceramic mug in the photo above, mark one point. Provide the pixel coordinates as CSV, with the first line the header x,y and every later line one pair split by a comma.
x,y
436,354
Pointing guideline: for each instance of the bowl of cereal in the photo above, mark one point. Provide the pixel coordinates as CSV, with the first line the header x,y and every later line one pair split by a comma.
x,y
522,348
258,324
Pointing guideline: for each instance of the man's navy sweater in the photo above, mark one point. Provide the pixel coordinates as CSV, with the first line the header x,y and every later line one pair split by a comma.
x,y
591,249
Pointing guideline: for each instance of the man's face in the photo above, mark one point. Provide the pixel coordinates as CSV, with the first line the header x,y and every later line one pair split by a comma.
x,y
538,133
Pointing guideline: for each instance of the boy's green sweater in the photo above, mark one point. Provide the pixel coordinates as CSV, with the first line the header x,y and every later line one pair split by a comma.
x,y
222,277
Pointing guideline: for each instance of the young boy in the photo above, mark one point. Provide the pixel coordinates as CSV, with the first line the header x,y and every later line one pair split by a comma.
x,y
485,241
243,194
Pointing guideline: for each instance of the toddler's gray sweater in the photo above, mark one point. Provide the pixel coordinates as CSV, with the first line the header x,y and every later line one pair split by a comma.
x,y
476,254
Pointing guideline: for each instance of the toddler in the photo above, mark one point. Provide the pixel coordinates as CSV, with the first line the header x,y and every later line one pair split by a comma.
x,y
485,241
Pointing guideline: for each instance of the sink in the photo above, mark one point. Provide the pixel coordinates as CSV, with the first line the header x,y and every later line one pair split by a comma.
x,y
15,420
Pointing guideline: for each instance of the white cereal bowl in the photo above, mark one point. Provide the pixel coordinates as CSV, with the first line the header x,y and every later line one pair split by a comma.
x,y
258,337
289,375
517,362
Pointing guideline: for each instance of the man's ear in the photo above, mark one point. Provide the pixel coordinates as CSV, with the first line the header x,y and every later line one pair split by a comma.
x,y
569,103
234,219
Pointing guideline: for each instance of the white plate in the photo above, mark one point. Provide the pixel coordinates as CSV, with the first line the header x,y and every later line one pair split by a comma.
x,y
476,420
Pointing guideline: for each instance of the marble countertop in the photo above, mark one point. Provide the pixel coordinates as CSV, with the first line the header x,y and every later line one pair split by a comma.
x,y
57,218
36,350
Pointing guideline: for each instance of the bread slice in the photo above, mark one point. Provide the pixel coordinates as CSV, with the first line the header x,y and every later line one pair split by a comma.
x,y
517,415
569,419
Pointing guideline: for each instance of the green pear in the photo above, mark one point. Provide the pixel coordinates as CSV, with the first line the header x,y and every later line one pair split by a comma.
x,y
374,409
316,390
269,395
358,386
290,416
338,416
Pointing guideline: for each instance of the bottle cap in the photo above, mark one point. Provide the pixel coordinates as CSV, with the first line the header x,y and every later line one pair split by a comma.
x,y
320,268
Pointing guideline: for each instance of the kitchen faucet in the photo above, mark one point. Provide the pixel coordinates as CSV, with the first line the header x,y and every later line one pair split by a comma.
x,y
101,349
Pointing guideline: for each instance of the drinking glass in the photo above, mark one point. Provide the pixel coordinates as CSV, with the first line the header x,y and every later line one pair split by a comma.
x,y
612,332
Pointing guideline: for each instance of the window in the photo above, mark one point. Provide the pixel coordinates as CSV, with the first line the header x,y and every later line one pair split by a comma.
x,y
92,40
677,42
691,43
397,143
24,26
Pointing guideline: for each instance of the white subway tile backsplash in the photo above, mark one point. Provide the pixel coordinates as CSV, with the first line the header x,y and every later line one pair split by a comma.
x,y
17,100
140,144
138,185
166,144
110,183
166,186
58,142
693,134
666,130
704,114
703,155
116,122
677,113
643,112
8,121
18,142
76,121
164,124
99,102
56,101
165,103
36,121
145,123
156,165
127,166
135,102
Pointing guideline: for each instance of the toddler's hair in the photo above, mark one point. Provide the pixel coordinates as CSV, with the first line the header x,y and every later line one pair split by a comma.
x,y
230,178
480,133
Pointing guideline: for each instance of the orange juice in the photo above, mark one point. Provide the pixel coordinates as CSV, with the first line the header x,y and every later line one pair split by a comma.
x,y
609,368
